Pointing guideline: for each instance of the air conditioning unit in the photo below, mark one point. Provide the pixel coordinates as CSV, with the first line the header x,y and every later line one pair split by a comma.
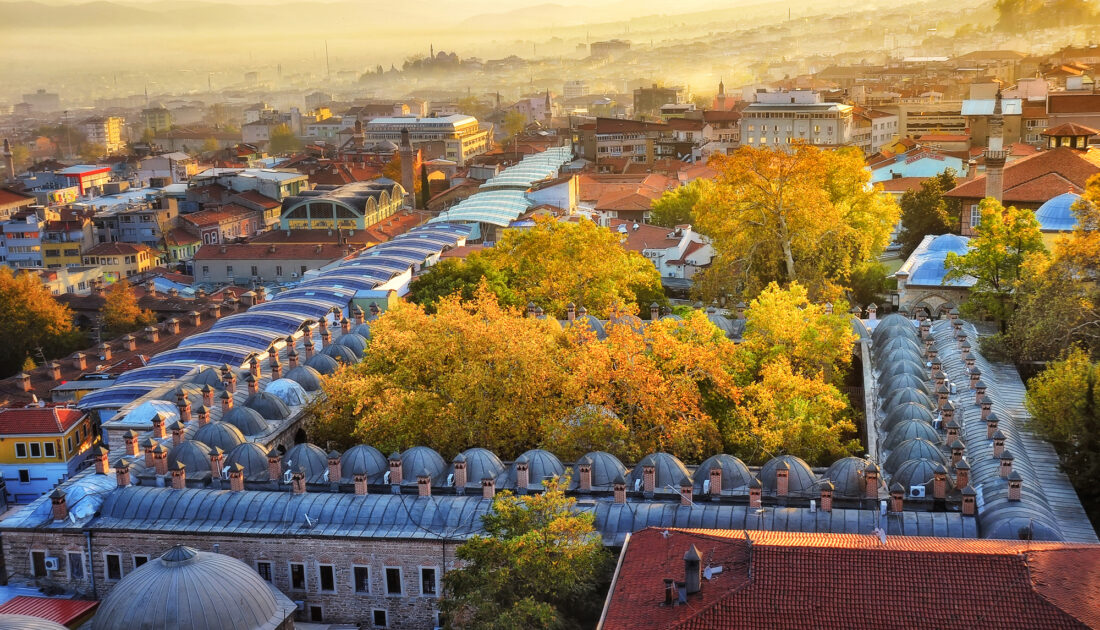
x,y
53,564
293,274
916,492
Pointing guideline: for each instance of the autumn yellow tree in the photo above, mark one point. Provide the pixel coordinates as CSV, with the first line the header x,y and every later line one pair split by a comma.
x,y
32,323
121,313
805,215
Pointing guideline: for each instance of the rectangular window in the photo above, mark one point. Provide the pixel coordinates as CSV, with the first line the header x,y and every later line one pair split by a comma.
x,y
76,566
205,271
361,577
36,449
327,574
229,270
975,216
20,449
264,569
140,560
278,270
69,445
24,475
38,563
428,585
48,447
112,566
379,618
304,269
255,271
297,576
393,581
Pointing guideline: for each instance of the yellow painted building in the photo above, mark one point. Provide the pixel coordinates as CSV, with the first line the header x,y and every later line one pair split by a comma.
x,y
121,260
42,446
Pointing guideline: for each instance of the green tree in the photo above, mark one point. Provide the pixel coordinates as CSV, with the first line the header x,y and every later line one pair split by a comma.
x,y
868,283
31,320
21,156
91,152
425,187
120,313
541,564
677,207
926,211
514,123
452,276
209,145
147,136
472,106
283,140
1003,240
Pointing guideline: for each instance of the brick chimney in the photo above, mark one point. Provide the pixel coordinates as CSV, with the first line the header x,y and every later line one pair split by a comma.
x,y
334,473
217,462
1006,464
969,361
230,381
272,353
459,465
654,312
969,501
741,306
160,459
345,325
571,311
253,384
53,368
488,488
991,422
102,461
122,473
715,474
584,474
105,351
194,318
254,367
215,311
80,361
897,498
202,414
172,326
59,506
979,392
179,476
177,430
152,335
998,444
693,570
227,401
1015,485
870,474
274,465
24,381
395,469
987,407
358,315
941,395
276,369
962,473
938,378
827,496
872,311
326,337
755,488
619,487
424,483
649,478
150,445
131,439
298,481
939,484
208,395
292,358
522,475
236,477
975,376
361,484
948,412
159,430
307,344
957,450
685,491
952,428
782,478
129,343
925,329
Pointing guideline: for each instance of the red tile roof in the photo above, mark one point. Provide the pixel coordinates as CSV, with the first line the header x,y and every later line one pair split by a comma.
x,y
802,580
228,212
1037,178
63,611
271,251
38,421
901,184
119,248
1070,129
10,197
618,125
259,199
1073,103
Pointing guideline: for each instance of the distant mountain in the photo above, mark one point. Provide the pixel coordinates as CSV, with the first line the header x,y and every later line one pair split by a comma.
x,y
30,14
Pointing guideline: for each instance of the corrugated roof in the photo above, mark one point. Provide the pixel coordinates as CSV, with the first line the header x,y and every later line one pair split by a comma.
x,y
62,611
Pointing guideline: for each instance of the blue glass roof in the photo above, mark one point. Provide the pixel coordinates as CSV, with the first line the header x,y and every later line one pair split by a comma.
x,y
350,280
249,337
931,273
154,372
424,250
211,354
303,306
949,243
338,296
404,256
116,395
276,322
1056,215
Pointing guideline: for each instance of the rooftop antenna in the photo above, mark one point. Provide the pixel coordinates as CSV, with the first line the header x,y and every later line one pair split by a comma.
x,y
309,521
328,68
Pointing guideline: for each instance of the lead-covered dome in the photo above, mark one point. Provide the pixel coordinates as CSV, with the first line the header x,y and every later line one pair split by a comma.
x,y
420,459
186,589
605,468
221,434
252,457
847,477
915,448
323,363
481,463
308,377
194,455
354,342
247,420
289,391
920,472
269,406
541,465
800,480
669,472
363,460
907,430
1056,215
307,456
734,472
907,395
341,353
906,411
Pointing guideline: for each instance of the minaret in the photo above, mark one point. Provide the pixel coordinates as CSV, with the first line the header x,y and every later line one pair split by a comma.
x,y
549,114
9,163
720,101
406,153
357,138
995,155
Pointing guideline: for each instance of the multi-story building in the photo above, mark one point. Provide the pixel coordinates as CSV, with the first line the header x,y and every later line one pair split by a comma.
x,y
105,131
12,202
575,89
22,244
649,100
157,119
122,260
462,136
245,263
77,280
780,119
609,49
273,183
42,101
355,206
873,129
223,224
925,114
64,242
41,447
635,140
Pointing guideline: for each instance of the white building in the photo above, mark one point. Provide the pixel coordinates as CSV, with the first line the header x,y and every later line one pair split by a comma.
x,y
462,136
779,119
575,89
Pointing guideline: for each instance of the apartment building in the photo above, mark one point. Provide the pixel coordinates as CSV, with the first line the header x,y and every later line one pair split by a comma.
x,y
105,131
780,119
462,136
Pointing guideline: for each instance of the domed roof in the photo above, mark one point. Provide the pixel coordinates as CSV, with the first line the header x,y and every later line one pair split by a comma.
x,y
26,622
143,413
207,375
341,353
669,471
632,322
902,353
269,405
734,472
540,465
906,411
913,448
363,459
800,480
188,589
595,325
904,366
363,330
1056,215
355,343
847,477
732,328
605,468
893,325
322,363
418,459
247,420
895,343
950,243
308,456
221,434
308,377
907,395
193,454
919,472
901,381
909,429
480,463
252,457
289,391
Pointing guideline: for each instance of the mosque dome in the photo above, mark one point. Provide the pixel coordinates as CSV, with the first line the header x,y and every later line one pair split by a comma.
x,y
247,420
480,463
800,480
734,472
26,622
363,459
289,391
323,363
669,472
1056,215
308,377
911,449
605,468
847,477
269,405
220,434
252,457
194,455
307,456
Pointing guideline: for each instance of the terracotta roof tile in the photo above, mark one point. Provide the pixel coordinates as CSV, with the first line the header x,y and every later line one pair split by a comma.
x,y
38,421
1037,178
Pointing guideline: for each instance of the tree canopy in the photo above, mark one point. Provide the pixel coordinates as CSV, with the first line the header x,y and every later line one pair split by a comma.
x,y
677,207
806,215
1003,240
30,319
283,140
121,313
926,211
540,565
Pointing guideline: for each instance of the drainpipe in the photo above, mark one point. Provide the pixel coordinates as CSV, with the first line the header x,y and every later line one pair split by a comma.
x,y
91,561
